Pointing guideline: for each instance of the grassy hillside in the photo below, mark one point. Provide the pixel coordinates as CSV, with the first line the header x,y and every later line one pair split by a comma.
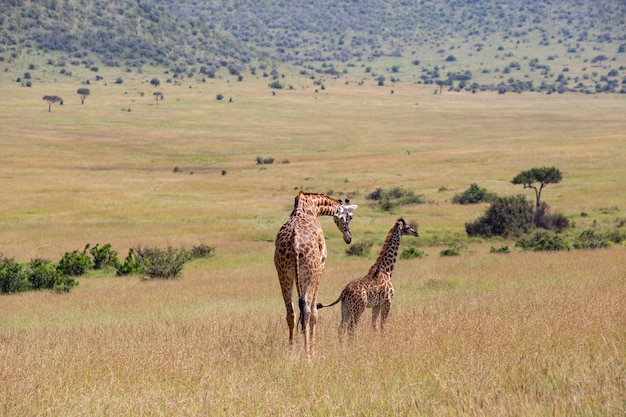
x,y
475,45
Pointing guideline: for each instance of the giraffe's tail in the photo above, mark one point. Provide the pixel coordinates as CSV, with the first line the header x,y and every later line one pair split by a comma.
x,y
320,305
302,318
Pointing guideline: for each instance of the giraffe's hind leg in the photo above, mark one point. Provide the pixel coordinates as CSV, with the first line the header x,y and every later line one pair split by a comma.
x,y
384,313
291,316
291,320
375,314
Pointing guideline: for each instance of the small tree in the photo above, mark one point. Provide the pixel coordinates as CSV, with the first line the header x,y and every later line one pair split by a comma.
x,y
52,100
155,82
541,176
157,96
599,59
83,93
443,83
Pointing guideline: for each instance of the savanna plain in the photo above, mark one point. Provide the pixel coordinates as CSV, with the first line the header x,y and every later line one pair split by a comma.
x,y
524,333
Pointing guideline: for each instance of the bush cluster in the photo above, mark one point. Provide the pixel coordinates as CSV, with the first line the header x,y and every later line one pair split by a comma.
x,y
591,239
61,276
264,161
543,240
556,222
359,249
35,275
507,216
412,252
387,200
474,195
161,263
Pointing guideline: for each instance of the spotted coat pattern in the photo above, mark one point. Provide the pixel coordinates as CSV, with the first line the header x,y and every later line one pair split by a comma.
x,y
373,290
300,256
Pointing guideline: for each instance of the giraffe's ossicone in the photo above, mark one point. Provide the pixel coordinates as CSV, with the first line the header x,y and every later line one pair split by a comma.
x,y
300,256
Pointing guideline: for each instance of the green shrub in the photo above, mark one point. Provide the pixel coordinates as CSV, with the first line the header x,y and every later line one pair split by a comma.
x,y
616,236
506,216
264,161
275,85
129,266
103,256
42,274
556,222
74,263
161,263
64,284
474,195
590,239
450,252
543,240
12,276
201,251
359,249
502,249
387,200
412,252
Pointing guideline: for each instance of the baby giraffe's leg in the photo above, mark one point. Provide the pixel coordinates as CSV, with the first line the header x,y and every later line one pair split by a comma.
x,y
359,308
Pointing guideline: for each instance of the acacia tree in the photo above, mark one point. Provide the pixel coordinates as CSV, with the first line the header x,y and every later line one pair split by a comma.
x,y
599,59
157,96
52,100
83,93
537,179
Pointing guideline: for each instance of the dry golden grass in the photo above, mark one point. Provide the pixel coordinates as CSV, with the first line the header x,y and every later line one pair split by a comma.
x,y
521,334
479,334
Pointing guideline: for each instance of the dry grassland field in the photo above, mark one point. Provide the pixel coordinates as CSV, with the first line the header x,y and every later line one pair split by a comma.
x,y
480,334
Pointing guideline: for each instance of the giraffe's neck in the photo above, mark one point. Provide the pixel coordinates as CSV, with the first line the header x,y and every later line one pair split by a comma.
x,y
388,254
316,204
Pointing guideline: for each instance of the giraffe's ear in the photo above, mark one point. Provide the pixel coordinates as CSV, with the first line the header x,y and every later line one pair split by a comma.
x,y
351,208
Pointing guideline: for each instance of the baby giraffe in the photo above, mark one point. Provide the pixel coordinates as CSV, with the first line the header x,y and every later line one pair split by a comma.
x,y
373,290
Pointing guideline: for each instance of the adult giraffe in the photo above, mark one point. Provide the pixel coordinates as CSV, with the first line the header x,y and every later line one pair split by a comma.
x,y
300,256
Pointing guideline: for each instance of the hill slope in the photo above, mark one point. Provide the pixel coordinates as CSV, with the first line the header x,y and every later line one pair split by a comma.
x,y
509,45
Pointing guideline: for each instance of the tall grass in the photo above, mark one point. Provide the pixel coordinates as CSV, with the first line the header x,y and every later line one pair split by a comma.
x,y
523,334
478,334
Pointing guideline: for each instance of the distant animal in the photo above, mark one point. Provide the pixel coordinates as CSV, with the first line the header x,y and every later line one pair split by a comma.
x,y
373,290
300,256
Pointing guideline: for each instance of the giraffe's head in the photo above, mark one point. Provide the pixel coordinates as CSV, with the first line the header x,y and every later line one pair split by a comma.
x,y
342,220
407,229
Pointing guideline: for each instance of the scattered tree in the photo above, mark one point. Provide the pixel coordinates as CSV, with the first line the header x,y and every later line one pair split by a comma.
x,y
157,96
52,100
155,82
441,84
83,93
541,176
599,59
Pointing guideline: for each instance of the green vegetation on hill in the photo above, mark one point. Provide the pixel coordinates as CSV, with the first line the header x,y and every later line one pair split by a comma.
x,y
472,45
